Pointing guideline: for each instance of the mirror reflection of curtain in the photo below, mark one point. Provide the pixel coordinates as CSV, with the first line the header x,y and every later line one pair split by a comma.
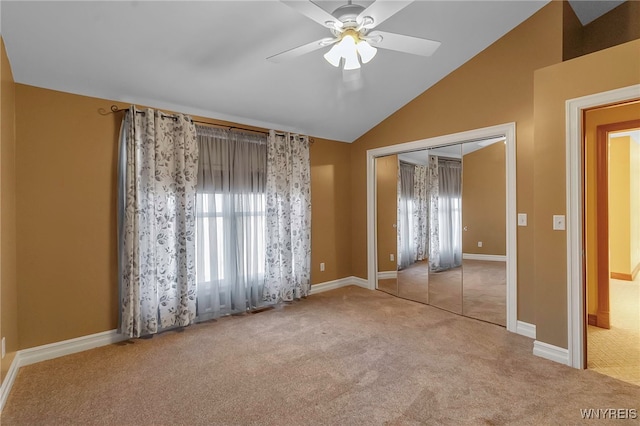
x,y
406,248
446,213
420,213
412,214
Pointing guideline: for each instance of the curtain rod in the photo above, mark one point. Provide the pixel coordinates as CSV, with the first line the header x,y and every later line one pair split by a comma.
x,y
114,109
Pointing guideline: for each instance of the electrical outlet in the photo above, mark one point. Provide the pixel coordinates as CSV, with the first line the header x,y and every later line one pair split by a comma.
x,y
3,348
479,243
322,267
391,257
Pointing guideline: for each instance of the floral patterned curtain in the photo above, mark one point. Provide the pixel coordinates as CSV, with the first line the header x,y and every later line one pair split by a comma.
x,y
288,240
434,234
157,222
420,213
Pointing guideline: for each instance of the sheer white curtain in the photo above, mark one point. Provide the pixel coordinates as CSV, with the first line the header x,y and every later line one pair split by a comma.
x,y
288,192
157,177
230,221
413,214
449,216
406,246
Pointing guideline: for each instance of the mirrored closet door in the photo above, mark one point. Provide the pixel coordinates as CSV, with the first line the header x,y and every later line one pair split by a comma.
x,y
445,255
440,216
484,231
413,226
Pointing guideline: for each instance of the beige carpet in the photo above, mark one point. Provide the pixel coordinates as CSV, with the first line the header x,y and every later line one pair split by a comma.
x,y
349,356
616,351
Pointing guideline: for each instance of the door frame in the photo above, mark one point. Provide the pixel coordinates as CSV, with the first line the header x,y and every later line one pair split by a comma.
x,y
602,216
576,312
508,130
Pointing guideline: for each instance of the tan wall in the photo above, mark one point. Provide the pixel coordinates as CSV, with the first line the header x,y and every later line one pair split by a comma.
x,y
553,86
387,212
66,180
67,219
495,87
594,118
619,205
8,281
484,201
330,210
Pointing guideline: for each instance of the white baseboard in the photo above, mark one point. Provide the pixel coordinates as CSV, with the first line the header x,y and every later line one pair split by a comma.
x,y
7,383
342,282
67,347
526,329
360,282
486,257
387,275
54,350
551,352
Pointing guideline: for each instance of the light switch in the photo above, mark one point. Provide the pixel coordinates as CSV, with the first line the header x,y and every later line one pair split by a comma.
x,y
391,257
522,219
558,222
322,267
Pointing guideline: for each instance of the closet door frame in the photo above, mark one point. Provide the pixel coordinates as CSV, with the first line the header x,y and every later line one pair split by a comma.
x,y
508,130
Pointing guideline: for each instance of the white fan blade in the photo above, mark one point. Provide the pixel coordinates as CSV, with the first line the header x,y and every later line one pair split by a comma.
x,y
315,13
301,50
403,43
381,10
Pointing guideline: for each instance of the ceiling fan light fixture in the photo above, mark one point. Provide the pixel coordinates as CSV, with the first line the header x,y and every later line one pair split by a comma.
x,y
349,53
366,51
349,47
351,62
334,55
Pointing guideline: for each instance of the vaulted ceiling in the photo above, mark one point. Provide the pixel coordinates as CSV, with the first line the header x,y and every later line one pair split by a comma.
x,y
209,58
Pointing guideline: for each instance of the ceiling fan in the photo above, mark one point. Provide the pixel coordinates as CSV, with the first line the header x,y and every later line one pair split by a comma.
x,y
353,39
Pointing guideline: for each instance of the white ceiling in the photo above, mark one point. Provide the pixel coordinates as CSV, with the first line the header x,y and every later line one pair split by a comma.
x,y
589,10
208,58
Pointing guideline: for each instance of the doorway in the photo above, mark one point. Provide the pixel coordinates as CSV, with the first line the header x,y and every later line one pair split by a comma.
x,y
612,240
576,265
